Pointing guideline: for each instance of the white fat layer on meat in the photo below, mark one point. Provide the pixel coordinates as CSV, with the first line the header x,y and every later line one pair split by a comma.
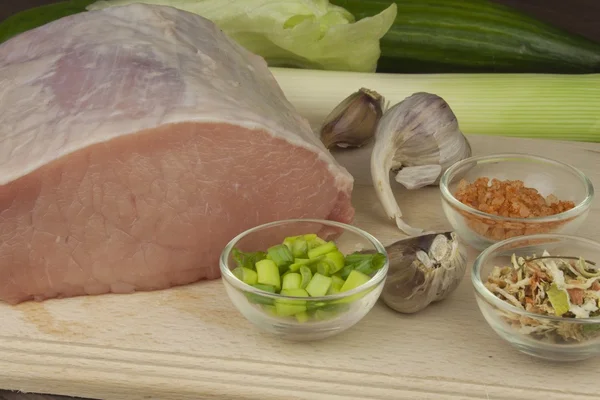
x,y
184,69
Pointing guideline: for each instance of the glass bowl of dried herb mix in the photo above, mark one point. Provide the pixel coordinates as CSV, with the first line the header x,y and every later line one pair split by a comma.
x,y
492,198
541,293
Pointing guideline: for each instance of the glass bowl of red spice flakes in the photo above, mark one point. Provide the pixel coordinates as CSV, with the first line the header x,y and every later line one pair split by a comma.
x,y
492,198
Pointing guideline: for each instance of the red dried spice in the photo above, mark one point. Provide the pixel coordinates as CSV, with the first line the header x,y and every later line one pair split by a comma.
x,y
508,198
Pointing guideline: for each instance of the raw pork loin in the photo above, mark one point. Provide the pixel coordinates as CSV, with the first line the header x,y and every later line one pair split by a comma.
x,y
134,143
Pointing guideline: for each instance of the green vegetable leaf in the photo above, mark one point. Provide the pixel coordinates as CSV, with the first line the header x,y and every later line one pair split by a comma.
x,y
378,261
292,33
559,300
247,260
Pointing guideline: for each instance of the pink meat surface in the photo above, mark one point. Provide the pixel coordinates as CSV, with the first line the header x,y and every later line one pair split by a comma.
x,y
135,142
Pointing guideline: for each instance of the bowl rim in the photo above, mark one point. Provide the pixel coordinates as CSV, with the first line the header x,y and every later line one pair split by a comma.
x,y
373,282
502,157
483,291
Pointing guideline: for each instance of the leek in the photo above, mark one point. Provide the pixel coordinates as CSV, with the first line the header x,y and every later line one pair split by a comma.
x,y
548,106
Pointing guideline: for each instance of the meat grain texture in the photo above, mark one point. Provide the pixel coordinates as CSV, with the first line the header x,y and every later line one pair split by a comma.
x,y
135,142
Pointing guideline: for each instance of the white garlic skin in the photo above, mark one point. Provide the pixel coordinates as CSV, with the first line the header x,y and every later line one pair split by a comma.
x,y
421,130
424,131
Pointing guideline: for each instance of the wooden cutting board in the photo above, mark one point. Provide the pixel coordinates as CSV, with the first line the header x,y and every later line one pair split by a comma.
x,y
190,343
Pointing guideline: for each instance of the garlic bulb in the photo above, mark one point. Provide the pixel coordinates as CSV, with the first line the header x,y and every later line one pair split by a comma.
x,y
353,122
418,139
423,269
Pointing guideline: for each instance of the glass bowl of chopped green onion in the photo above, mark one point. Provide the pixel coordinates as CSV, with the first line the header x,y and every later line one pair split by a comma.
x,y
541,293
304,279
491,198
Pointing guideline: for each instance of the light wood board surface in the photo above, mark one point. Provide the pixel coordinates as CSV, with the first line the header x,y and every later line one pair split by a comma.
x,y
190,343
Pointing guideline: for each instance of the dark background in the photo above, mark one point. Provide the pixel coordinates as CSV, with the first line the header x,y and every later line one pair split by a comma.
x,y
577,16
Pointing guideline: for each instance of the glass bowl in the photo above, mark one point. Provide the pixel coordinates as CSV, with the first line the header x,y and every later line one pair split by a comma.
x,y
544,336
480,229
322,317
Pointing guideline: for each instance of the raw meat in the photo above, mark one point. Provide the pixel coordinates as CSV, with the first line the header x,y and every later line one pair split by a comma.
x,y
135,142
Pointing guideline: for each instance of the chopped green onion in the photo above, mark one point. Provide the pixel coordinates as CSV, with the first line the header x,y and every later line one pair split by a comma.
x,y
294,293
302,316
246,275
312,306
281,255
357,257
336,261
270,308
286,308
337,282
354,280
346,271
324,268
318,285
378,261
300,248
314,241
364,267
306,275
247,260
298,262
266,288
257,298
333,290
291,280
323,315
322,250
289,241
302,267
268,273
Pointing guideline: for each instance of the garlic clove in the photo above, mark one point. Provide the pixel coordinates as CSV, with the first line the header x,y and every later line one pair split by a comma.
x,y
439,248
423,270
421,130
352,123
418,176
424,258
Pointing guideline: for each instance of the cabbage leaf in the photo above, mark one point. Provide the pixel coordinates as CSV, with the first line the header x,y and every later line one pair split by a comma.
x,y
291,33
